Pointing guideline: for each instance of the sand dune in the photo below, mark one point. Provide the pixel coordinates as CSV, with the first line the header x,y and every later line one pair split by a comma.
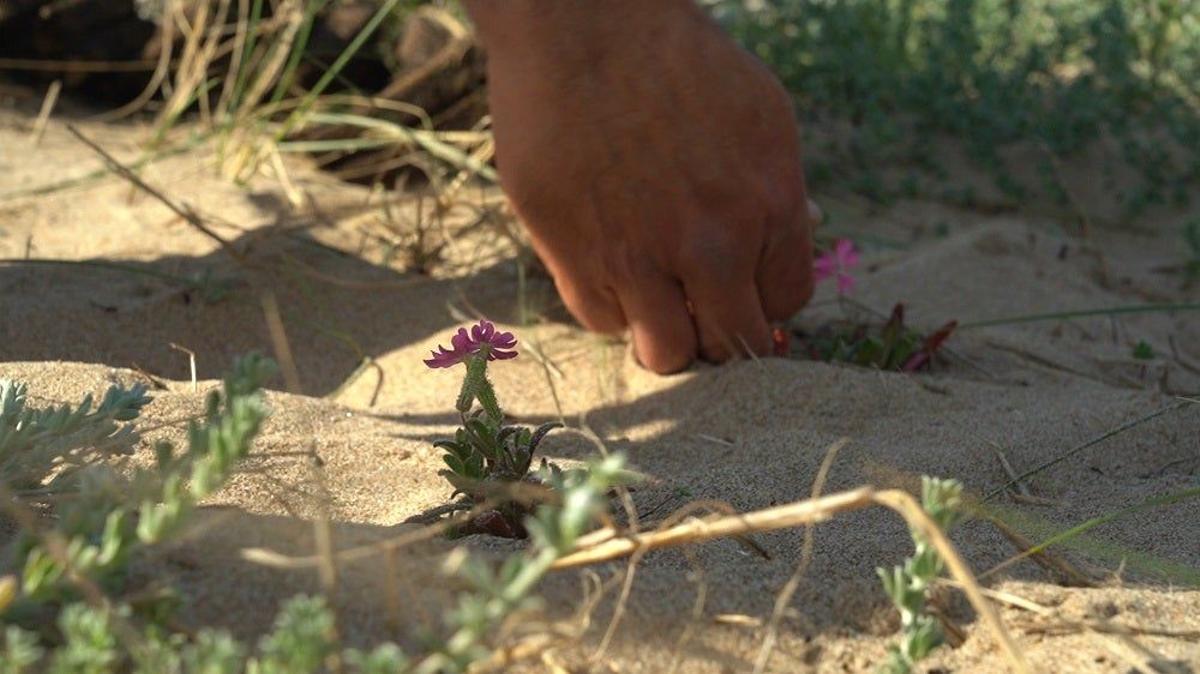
x,y
751,434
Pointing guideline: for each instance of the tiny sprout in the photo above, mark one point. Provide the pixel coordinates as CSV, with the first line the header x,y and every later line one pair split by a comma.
x,y
1143,351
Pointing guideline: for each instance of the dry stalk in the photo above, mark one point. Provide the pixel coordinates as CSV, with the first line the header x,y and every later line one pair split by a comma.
x,y
806,553
812,511
280,342
277,560
1044,558
699,531
182,211
43,118
1087,445
191,362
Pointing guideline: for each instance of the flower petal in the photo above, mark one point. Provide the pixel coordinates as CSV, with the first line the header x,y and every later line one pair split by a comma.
x,y
461,341
499,345
846,253
442,358
824,267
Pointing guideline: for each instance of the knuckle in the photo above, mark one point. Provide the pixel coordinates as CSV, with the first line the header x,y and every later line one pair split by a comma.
x,y
718,255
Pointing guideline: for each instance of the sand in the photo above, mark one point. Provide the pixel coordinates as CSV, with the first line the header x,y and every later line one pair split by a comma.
x,y
749,434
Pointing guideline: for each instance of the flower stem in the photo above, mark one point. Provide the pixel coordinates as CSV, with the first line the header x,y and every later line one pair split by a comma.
x,y
477,387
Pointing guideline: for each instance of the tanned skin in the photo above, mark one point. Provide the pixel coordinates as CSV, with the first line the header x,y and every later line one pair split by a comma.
x,y
657,168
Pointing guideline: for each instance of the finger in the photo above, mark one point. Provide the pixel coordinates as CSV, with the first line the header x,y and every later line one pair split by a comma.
x,y
595,307
664,337
729,318
815,215
784,276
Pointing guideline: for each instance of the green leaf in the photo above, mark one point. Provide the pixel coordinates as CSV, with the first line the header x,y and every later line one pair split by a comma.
x,y
459,450
19,651
301,640
454,463
901,350
474,467
540,434
1143,351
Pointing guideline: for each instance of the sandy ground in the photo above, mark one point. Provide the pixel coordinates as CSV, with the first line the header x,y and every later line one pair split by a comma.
x,y
751,434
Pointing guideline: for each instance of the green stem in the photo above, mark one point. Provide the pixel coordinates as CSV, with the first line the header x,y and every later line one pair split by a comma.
x,y
298,49
477,387
1084,313
1089,443
1152,502
340,63
486,395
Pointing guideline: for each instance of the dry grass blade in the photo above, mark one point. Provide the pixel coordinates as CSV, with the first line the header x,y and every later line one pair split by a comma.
x,y
183,212
48,103
1022,490
76,66
806,552
270,558
634,526
327,571
1067,574
1106,627
161,70
700,531
1137,656
807,512
191,362
1085,445
280,342
1005,598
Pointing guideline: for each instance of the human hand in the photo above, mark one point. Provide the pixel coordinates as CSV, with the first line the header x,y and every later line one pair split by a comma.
x,y
657,168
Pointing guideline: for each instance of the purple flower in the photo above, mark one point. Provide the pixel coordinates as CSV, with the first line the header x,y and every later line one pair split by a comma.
x,y
483,337
837,264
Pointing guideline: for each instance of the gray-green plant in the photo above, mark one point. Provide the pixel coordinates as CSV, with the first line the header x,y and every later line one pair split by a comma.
x,y
105,514
303,639
51,625
1115,77
497,592
907,585
42,449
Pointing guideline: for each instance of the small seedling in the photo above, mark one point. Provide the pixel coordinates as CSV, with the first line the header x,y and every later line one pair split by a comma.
x,y
1143,351
908,585
485,453
892,346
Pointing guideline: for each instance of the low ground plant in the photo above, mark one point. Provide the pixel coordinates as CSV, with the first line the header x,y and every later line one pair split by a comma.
x,y
1061,77
486,455
65,605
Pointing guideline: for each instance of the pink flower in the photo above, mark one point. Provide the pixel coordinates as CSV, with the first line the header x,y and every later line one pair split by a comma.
x,y
483,337
837,264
